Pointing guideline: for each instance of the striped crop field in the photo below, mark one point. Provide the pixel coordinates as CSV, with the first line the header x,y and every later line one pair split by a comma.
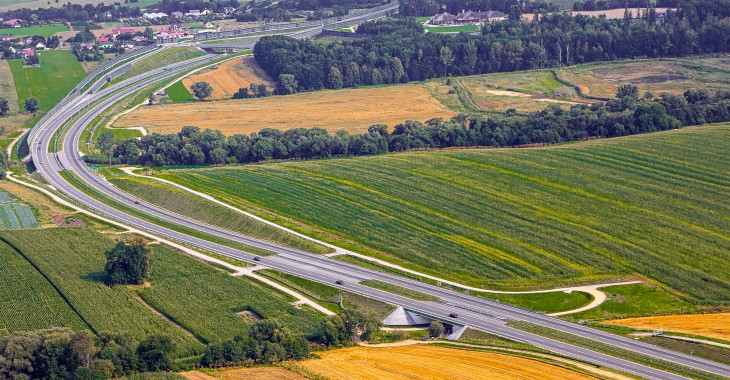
x,y
28,301
73,260
653,205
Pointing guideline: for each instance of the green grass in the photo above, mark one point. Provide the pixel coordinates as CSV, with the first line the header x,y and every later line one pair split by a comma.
x,y
179,93
452,29
193,206
552,302
58,73
167,57
73,259
653,205
327,296
28,301
36,30
205,300
395,289
635,300
119,133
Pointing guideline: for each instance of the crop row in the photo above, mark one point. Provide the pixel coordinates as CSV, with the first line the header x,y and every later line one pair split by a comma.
x,y
25,214
9,219
651,204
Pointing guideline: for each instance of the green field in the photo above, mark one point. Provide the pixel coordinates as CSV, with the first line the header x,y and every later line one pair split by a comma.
x,y
653,205
167,57
6,5
193,206
205,300
57,75
37,30
120,133
179,93
635,300
73,260
27,300
544,302
452,29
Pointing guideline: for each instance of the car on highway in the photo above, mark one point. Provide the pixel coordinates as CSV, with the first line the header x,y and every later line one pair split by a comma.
x,y
256,258
339,282
454,315
136,202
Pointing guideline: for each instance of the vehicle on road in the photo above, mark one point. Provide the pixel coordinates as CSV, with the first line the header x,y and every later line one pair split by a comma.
x,y
256,258
339,282
136,202
454,315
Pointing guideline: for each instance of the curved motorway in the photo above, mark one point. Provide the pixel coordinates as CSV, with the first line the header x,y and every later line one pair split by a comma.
x,y
483,314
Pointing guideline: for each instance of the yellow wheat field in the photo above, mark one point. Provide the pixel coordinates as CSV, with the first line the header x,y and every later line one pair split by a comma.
x,y
353,110
231,75
711,325
431,362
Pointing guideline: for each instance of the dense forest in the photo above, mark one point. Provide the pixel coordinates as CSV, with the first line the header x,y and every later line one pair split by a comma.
x,y
402,53
630,113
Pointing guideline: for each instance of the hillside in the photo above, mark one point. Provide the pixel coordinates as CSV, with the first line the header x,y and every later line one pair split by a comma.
x,y
654,205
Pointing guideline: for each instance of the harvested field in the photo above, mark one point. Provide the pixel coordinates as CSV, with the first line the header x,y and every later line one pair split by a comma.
x,y
9,123
353,110
657,76
261,373
7,86
431,362
710,325
230,76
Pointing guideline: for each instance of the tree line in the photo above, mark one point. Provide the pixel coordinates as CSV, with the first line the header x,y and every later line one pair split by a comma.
x,y
416,8
552,40
630,113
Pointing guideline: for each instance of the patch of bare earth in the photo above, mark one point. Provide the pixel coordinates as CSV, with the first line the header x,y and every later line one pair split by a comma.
x,y
228,77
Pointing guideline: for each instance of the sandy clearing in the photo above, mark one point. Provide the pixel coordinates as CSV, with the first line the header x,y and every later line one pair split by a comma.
x,y
353,110
230,76
431,362
710,325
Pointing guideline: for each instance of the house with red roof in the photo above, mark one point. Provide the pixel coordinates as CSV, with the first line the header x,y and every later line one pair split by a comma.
x,y
28,52
13,23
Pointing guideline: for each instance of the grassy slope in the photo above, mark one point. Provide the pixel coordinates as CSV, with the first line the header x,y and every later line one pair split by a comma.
x,y
633,301
27,300
178,93
205,300
73,258
193,206
58,73
162,59
544,302
651,204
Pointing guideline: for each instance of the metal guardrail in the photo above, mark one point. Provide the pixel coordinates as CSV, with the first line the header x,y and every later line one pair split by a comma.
x,y
87,79
337,21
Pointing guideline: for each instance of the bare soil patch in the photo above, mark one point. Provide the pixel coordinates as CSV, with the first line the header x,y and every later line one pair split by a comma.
x,y
353,110
248,316
230,76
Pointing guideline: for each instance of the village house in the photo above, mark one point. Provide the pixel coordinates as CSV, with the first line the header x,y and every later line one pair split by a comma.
x,y
27,52
176,26
40,46
154,16
229,10
208,25
102,39
6,37
27,40
466,17
194,13
13,23
118,31
177,14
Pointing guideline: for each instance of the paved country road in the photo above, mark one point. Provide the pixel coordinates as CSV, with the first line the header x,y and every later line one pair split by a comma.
x,y
483,314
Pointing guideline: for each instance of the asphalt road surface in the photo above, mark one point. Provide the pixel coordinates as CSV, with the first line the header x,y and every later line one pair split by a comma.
x,y
480,313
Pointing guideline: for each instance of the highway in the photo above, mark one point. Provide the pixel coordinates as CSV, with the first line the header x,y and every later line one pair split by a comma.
x,y
473,311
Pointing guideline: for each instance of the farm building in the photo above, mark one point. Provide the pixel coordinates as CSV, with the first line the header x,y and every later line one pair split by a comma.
x,y
40,46
6,37
13,23
28,52
118,31
445,18
177,14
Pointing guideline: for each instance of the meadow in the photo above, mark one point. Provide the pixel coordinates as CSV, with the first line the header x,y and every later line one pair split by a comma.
x,y
7,87
711,325
432,362
6,5
167,57
228,77
652,205
635,300
177,92
58,73
36,30
353,110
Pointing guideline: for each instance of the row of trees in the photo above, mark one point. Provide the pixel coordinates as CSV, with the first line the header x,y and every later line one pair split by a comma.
x,y
31,105
60,353
628,114
407,54
267,342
